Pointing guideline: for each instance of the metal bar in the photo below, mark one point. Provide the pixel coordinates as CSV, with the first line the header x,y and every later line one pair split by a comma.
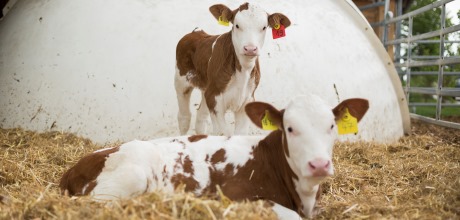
x,y
427,73
433,104
397,52
454,92
412,63
428,57
409,54
436,122
425,57
419,11
441,67
436,57
421,90
376,24
385,26
370,6
437,41
404,61
426,35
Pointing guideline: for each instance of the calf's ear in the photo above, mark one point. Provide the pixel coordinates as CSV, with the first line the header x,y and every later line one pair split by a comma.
x,y
222,11
278,18
256,111
356,107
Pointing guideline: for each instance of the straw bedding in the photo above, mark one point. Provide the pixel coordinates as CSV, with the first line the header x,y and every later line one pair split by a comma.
x,y
417,177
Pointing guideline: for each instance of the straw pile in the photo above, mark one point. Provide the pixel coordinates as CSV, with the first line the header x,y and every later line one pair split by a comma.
x,y
417,177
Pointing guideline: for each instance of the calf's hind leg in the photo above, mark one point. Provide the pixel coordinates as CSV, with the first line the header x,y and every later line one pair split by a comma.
x,y
183,91
202,116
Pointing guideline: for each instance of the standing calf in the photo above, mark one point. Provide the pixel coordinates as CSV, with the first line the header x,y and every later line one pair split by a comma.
x,y
285,167
224,67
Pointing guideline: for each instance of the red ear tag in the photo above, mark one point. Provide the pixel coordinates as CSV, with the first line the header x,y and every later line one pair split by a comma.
x,y
278,31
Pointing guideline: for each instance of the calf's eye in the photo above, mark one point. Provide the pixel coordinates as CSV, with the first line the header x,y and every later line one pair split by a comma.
x,y
264,28
332,126
237,26
290,130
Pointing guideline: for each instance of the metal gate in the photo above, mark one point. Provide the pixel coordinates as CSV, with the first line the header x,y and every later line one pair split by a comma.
x,y
405,62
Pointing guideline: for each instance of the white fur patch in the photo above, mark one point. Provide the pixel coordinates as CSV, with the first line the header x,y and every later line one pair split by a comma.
x,y
103,149
285,213
214,43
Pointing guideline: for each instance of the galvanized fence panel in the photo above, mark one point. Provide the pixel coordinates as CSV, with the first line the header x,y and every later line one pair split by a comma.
x,y
405,63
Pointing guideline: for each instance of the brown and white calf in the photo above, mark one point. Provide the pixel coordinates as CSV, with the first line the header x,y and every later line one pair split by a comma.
x,y
224,67
285,167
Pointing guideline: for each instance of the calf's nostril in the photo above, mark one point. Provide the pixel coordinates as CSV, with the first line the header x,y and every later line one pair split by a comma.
x,y
319,164
250,48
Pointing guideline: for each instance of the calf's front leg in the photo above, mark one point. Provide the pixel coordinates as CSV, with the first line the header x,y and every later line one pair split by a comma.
x,y
218,124
241,122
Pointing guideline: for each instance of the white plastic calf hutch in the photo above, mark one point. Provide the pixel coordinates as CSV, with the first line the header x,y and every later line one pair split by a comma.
x,y
105,70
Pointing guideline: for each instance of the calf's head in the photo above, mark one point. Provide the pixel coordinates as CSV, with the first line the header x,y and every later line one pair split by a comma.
x,y
309,130
250,23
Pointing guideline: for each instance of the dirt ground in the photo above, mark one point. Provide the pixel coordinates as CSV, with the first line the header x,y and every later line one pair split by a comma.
x,y
416,178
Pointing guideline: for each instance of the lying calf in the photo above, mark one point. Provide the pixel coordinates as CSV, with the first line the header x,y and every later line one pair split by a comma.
x,y
285,167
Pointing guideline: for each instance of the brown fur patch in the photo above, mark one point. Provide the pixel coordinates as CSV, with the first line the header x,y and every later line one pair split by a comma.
x,y
356,107
223,11
219,177
218,157
188,165
220,10
255,74
278,18
84,173
267,176
192,55
190,183
90,187
244,6
228,170
256,112
198,137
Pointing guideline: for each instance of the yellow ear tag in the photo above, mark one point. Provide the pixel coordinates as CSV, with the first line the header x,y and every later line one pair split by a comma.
x,y
347,124
267,123
277,26
222,22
